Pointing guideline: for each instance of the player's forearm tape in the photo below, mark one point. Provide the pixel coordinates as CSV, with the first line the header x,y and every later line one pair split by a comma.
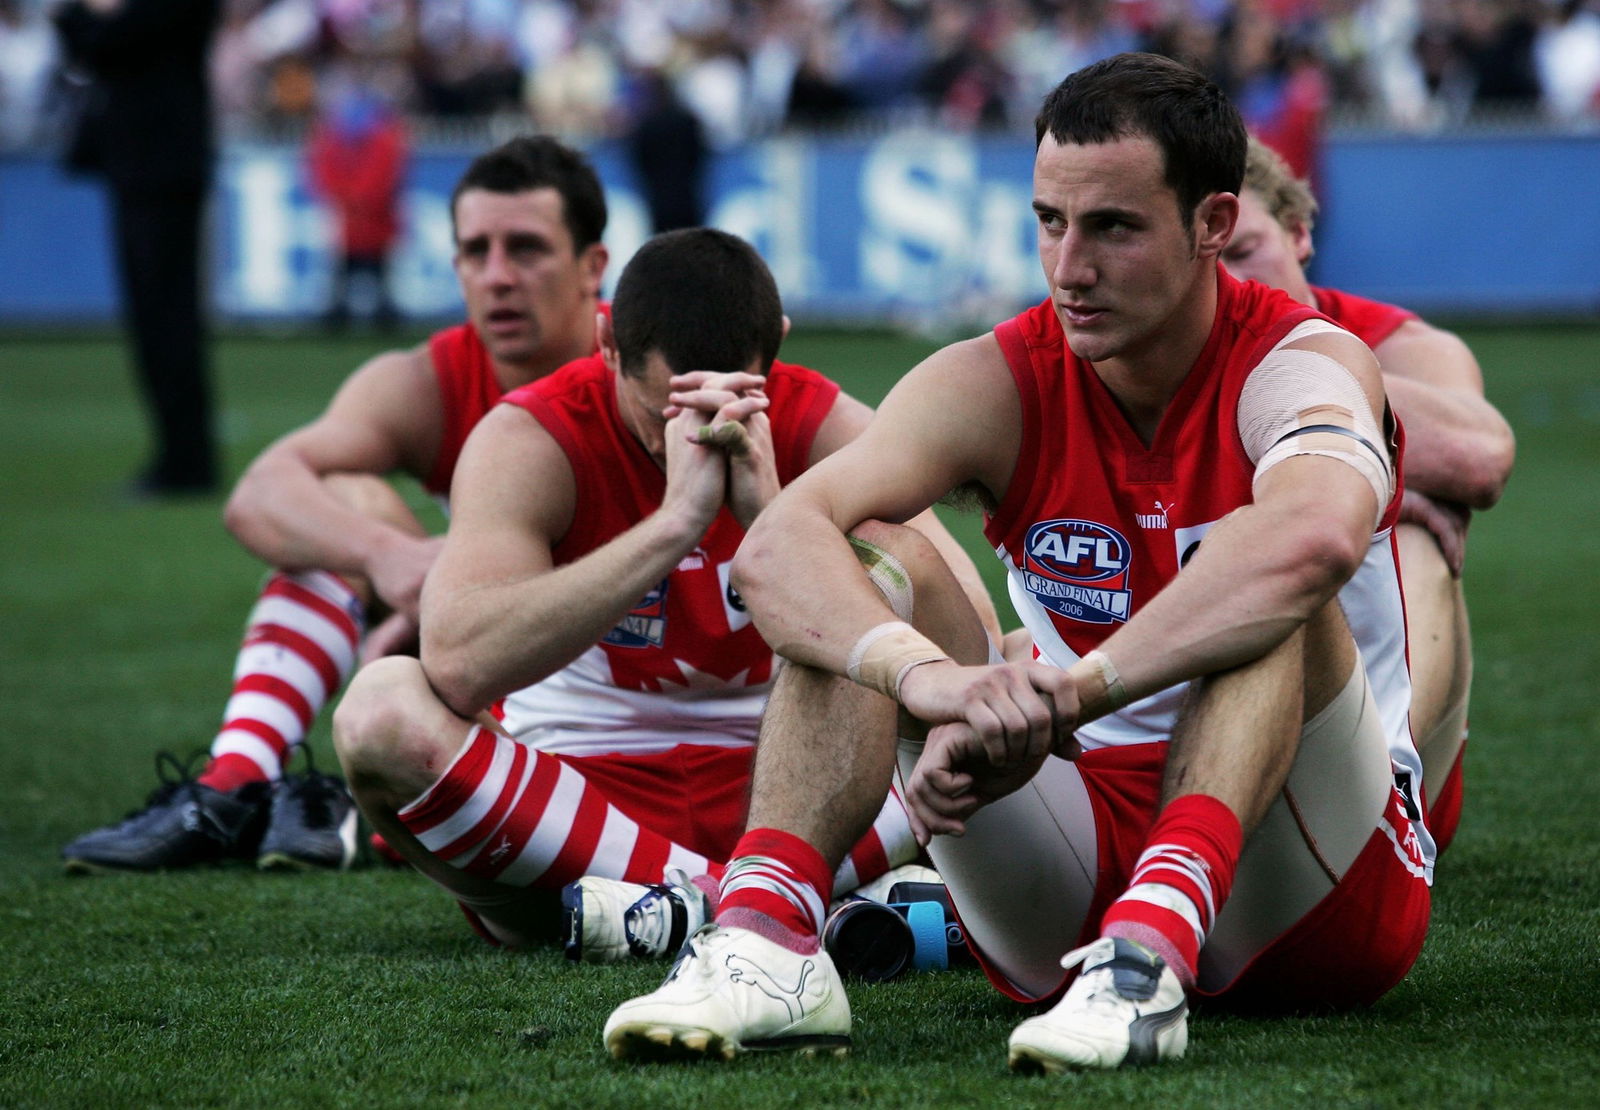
x,y
1116,692
886,653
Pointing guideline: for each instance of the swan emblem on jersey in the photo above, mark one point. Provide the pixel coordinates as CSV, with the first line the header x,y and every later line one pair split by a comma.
x,y
646,625
733,606
1079,570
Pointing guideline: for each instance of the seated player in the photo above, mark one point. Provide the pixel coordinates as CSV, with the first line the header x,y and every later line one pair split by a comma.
x,y
1201,781
527,218
584,588
1459,452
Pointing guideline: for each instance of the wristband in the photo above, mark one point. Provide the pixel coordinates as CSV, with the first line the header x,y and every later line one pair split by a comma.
x,y
885,653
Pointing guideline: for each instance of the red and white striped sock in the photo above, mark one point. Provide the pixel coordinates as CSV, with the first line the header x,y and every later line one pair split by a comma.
x,y
779,886
299,647
889,843
1180,882
508,812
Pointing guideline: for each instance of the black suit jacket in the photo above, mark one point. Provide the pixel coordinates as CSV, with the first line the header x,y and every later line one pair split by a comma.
x,y
146,121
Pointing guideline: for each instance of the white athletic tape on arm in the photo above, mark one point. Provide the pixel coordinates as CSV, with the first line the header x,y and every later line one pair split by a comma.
x,y
1116,692
886,652
1305,403
1307,328
1111,696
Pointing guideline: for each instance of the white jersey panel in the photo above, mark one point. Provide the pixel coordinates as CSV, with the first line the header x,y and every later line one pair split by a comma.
x,y
1373,606
1138,722
580,711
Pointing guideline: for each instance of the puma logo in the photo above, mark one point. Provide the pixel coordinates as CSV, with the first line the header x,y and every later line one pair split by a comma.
x,y
1157,519
743,970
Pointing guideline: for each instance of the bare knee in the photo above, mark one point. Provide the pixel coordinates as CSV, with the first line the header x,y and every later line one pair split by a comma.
x,y
921,588
913,550
392,736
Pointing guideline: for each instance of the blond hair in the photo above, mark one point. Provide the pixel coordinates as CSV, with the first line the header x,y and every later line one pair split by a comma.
x,y
1286,196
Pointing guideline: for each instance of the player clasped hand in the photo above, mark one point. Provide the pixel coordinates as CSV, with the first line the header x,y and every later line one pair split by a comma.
x,y
993,728
396,571
727,413
1446,522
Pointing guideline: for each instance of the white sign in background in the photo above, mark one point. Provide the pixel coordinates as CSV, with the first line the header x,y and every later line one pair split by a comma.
x,y
907,223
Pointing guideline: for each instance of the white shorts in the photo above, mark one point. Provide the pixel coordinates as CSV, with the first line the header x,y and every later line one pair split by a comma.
x,y
1037,869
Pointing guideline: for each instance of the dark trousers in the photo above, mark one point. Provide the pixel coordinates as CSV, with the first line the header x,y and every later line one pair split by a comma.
x,y
347,268
158,258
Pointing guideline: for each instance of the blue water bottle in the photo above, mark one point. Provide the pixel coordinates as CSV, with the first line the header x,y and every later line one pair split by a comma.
x,y
916,929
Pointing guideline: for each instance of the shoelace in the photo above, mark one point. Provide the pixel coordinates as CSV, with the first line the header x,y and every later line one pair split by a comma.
x,y
1101,992
1099,982
313,789
174,773
693,950
650,920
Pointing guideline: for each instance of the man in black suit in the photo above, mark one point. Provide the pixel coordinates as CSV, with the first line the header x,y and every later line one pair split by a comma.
x,y
146,128
668,146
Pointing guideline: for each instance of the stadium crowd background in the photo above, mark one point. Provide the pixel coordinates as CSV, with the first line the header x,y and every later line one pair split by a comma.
x,y
749,68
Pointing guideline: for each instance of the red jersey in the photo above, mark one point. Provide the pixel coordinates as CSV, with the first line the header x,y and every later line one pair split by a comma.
x,y
1369,321
1095,522
468,389
686,665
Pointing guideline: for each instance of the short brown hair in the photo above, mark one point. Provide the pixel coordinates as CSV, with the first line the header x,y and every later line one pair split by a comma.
x,y
530,162
1200,133
700,297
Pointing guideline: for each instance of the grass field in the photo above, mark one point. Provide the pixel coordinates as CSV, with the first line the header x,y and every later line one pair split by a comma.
x,y
117,631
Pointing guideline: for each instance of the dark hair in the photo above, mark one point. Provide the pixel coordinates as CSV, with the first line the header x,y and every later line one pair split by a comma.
x,y
700,297
540,162
1201,136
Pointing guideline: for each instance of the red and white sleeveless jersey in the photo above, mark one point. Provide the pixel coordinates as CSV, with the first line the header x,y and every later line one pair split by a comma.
x,y
468,389
1095,523
1369,321
686,665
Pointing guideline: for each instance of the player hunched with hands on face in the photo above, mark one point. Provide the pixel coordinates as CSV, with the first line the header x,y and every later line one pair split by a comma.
x,y
583,595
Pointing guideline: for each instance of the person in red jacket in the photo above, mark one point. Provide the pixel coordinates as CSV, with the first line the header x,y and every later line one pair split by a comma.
x,y
348,554
1459,452
356,159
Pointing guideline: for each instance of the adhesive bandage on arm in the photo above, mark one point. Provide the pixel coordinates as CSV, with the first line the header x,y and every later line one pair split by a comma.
x,y
885,654
1116,692
1301,402
1112,696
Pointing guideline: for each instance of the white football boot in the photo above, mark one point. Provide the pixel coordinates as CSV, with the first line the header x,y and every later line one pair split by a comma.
x,y
606,920
1126,1008
734,991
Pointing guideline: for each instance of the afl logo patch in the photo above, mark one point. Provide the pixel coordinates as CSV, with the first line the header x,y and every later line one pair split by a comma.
x,y
1079,569
646,626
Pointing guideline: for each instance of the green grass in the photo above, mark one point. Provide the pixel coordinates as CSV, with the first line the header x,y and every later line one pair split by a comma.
x,y
117,632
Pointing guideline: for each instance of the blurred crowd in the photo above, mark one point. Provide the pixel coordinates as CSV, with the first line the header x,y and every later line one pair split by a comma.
x,y
747,68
